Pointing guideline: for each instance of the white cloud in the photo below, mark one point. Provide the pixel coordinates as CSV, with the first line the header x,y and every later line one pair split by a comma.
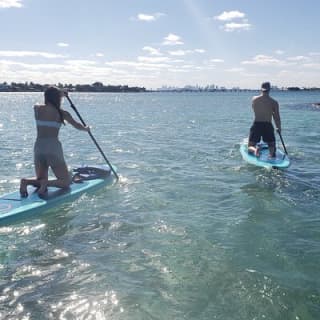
x,y
73,71
120,63
233,26
152,51
10,3
172,39
18,54
79,62
30,66
235,70
298,58
312,65
185,52
145,17
154,71
217,60
153,59
188,66
179,52
99,54
262,60
230,15
279,52
62,44
143,64
149,17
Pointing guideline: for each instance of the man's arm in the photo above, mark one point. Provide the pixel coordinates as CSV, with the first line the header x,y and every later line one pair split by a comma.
x,y
276,116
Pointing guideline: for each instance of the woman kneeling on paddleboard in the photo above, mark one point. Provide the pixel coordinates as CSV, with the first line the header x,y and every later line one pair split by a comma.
x,y
47,148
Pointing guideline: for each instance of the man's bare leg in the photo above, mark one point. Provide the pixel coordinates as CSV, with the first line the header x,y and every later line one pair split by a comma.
x,y
272,149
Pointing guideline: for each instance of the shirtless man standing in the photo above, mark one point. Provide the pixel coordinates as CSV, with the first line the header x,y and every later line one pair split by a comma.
x,y
265,108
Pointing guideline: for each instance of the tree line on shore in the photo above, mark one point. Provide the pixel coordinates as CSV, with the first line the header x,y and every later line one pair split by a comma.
x,y
95,87
100,87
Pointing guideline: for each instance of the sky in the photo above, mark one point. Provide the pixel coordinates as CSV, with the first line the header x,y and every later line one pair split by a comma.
x,y
149,43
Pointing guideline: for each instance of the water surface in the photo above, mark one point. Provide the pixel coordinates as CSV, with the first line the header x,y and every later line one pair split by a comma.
x,y
190,232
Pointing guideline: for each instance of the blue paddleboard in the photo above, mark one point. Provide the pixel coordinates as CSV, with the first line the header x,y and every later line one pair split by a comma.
x,y
281,161
13,206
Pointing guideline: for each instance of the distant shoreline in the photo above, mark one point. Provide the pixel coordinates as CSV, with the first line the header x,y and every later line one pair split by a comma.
x,y
95,87
99,87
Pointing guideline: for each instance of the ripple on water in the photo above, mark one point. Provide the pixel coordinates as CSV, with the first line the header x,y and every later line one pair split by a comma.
x,y
189,232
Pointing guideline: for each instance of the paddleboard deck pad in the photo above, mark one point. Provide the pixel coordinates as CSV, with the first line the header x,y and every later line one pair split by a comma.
x,y
281,161
85,178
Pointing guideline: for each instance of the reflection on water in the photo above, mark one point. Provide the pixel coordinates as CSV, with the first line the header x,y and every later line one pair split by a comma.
x,y
190,231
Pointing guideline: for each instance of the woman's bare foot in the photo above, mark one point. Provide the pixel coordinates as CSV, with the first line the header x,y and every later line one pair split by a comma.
x,y
23,188
43,187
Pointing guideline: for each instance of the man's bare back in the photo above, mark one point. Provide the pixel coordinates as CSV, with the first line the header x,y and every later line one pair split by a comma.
x,y
265,108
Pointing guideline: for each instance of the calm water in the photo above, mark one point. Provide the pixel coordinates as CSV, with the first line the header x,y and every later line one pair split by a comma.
x,y
189,232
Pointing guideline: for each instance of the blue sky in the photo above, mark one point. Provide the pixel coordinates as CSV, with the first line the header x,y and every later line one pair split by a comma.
x,y
150,43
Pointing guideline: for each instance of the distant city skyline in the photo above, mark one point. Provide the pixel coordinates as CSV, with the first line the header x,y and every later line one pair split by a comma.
x,y
237,43
99,87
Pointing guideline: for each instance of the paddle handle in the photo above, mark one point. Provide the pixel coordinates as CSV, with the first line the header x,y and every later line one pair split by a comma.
x,y
92,137
284,147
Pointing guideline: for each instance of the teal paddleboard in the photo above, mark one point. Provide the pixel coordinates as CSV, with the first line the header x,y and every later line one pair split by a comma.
x,y
13,206
281,161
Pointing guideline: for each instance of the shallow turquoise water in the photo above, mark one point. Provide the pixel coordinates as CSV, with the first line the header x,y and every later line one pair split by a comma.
x,y
189,232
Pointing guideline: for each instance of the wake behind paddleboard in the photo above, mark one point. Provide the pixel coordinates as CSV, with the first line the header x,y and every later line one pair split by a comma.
x,y
281,161
12,206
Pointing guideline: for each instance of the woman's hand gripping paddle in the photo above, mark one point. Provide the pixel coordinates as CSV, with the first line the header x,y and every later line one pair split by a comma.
x,y
91,135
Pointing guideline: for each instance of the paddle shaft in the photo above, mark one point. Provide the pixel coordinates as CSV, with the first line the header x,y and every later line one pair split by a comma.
x,y
92,137
284,147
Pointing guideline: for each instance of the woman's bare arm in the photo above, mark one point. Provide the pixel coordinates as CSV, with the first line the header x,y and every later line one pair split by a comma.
x,y
67,116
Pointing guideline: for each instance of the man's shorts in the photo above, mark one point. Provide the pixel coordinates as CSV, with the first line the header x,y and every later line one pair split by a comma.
x,y
262,130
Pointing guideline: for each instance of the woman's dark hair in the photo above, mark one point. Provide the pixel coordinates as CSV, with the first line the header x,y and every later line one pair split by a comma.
x,y
52,95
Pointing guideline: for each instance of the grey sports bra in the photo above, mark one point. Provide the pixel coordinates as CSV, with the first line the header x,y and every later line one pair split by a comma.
x,y
50,124
46,123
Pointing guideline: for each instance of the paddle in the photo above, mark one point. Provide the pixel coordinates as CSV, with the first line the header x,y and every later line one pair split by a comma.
x,y
284,147
91,135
